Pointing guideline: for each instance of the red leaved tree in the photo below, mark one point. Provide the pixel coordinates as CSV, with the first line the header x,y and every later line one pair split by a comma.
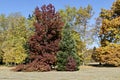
x,y
44,44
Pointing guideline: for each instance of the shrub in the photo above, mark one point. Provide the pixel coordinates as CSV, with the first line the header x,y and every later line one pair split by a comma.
x,y
67,57
109,55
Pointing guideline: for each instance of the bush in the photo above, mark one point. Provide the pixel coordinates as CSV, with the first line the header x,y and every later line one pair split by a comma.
x,y
109,55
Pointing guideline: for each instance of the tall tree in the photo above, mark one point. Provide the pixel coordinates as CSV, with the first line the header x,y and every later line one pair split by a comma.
x,y
109,35
15,37
67,57
3,28
74,16
79,44
109,32
95,31
43,45
14,32
78,20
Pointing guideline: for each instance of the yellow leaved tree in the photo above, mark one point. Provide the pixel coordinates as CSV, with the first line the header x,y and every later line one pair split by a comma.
x,y
109,34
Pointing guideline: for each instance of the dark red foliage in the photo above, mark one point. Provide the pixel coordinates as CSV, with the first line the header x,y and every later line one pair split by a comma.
x,y
43,45
71,64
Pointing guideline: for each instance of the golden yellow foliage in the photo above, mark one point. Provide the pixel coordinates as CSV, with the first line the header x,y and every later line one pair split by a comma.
x,y
110,29
108,55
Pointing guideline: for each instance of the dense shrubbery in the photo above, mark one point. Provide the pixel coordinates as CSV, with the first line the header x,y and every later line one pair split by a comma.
x,y
67,57
109,55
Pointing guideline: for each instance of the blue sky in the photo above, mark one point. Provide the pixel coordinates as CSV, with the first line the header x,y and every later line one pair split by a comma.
x,y
26,7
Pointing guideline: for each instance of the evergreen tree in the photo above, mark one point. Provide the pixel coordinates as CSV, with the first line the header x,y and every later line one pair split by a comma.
x,y
78,20
79,44
67,58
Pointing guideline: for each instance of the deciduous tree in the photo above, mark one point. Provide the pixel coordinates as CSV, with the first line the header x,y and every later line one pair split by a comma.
x,y
14,38
109,35
78,20
43,45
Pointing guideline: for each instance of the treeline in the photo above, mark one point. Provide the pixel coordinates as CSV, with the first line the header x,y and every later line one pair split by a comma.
x,y
14,33
58,40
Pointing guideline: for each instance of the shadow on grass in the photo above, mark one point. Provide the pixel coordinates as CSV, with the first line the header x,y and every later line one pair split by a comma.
x,y
100,65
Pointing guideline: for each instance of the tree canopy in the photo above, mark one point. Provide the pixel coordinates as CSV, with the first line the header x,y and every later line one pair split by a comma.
x,y
109,35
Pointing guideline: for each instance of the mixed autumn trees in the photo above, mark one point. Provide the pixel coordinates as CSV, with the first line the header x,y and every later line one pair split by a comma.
x,y
78,20
58,40
13,35
44,44
40,52
109,34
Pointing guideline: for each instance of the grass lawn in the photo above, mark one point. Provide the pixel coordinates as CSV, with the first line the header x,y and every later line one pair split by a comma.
x,y
85,73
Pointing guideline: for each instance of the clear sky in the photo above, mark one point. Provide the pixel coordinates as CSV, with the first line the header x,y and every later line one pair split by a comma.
x,y
26,7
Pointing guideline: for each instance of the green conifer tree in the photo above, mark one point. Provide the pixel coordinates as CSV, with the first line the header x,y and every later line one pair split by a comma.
x,y
67,57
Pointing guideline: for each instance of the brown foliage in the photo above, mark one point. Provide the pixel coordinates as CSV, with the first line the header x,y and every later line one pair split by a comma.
x,y
71,64
43,45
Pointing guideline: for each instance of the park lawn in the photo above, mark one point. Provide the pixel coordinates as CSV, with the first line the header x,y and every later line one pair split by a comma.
x,y
85,73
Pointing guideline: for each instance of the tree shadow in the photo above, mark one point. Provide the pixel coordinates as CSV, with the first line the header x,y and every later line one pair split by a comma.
x,y
100,65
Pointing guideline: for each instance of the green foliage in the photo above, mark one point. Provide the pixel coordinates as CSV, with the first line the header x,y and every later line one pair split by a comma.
x,y
67,51
78,21
74,16
68,15
79,44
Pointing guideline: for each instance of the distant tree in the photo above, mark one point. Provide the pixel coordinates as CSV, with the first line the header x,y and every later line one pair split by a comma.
x,y
43,45
14,32
67,57
3,28
95,31
78,20
79,44
74,16
12,48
